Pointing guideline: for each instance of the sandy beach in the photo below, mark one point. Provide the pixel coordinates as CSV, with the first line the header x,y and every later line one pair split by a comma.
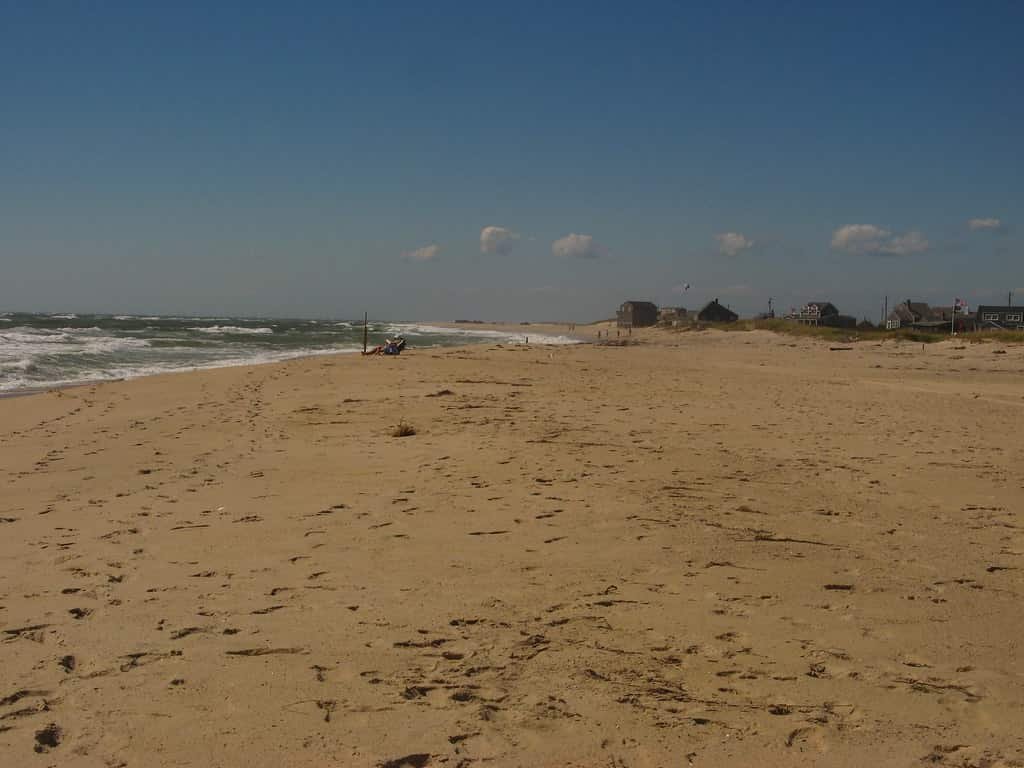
x,y
698,549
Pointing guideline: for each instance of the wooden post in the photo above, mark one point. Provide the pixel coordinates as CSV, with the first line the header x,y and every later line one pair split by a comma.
x,y
365,330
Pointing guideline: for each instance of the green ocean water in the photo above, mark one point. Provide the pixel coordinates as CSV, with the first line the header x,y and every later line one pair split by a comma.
x,y
40,350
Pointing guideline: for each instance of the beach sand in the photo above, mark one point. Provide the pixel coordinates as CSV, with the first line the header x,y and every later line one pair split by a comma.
x,y
699,549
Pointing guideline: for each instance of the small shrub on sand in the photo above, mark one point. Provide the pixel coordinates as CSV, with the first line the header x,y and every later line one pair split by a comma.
x,y
403,429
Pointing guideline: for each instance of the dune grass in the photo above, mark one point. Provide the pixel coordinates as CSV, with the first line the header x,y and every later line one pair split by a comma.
x,y
403,429
791,328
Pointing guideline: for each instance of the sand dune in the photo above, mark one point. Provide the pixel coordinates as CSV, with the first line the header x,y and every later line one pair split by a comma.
x,y
698,549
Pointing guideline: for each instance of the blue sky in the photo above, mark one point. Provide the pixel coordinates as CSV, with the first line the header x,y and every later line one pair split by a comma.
x,y
254,158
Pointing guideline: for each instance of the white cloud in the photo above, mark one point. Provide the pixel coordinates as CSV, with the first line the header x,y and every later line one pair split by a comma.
x,y
426,253
497,240
863,239
858,238
577,247
732,243
985,224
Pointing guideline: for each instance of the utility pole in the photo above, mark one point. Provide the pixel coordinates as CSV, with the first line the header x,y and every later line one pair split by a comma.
x,y
885,311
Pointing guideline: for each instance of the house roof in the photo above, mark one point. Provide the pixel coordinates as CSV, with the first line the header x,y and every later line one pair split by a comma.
x,y
922,312
640,304
714,303
1003,308
904,314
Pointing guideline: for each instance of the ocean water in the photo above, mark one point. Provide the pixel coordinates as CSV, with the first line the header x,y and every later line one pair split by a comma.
x,y
43,350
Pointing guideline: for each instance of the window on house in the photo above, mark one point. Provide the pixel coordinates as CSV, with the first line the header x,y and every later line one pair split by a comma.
x,y
990,316
1014,317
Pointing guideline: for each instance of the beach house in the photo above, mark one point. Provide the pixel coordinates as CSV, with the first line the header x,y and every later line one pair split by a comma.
x,y
1004,317
816,313
637,314
922,317
714,312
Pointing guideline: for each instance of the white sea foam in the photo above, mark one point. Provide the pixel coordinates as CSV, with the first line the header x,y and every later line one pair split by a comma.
x,y
418,329
68,316
22,343
23,364
138,371
23,335
230,329
110,344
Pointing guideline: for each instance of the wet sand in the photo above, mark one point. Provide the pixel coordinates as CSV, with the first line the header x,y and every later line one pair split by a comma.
x,y
696,549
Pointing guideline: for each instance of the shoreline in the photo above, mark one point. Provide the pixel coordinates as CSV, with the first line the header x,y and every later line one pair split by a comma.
x,y
28,391
581,334
571,332
58,386
41,387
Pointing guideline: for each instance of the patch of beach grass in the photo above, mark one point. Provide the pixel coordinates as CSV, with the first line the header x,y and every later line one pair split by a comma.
x,y
403,429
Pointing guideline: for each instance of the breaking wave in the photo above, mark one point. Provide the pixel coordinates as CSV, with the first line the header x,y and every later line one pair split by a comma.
x,y
231,329
43,350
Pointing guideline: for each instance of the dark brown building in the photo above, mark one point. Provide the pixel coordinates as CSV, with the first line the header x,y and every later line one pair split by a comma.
x,y
714,312
839,321
637,314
